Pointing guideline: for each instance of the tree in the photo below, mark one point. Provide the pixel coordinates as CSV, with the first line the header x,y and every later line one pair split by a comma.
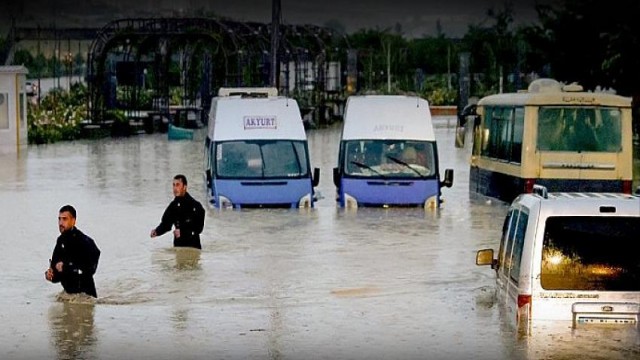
x,y
493,48
591,44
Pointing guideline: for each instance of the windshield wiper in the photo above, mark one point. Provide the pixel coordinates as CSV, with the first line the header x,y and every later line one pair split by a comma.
x,y
398,161
365,166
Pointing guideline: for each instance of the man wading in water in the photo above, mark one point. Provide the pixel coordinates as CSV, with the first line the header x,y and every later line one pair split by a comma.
x,y
75,256
185,214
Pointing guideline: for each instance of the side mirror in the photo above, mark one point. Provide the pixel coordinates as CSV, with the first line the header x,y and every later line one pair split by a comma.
x,y
316,177
208,177
461,133
461,128
336,177
485,257
448,178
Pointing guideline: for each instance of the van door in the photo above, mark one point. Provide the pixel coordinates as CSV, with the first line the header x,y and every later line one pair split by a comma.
x,y
510,262
590,270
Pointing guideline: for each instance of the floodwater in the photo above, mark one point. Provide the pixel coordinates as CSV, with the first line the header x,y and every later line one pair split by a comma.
x,y
322,283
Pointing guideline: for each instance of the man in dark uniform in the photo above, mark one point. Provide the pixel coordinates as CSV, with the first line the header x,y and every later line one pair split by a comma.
x,y
75,256
185,214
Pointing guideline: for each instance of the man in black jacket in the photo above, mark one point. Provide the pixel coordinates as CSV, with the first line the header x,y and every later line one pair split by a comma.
x,y
75,256
185,214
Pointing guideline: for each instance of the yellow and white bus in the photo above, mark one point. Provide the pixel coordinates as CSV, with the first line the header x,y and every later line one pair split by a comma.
x,y
554,135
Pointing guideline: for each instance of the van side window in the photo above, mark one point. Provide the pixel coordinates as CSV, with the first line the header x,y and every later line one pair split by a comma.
x,y
505,236
510,254
518,243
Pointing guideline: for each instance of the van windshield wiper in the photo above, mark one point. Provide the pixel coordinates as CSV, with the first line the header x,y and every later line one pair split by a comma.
x,y
365,166
398,161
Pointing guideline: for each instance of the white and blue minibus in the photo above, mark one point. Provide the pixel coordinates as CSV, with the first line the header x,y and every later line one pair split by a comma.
x,y
388,154
256,152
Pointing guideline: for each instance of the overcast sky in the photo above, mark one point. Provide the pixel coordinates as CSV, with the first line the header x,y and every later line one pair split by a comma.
x,y
416,17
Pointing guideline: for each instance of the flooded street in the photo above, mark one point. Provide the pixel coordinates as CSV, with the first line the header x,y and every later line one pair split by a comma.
x,y
322,283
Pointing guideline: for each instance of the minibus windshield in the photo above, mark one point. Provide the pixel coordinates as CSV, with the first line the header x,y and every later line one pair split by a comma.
x,y
596,129
251,159
591,253
389,158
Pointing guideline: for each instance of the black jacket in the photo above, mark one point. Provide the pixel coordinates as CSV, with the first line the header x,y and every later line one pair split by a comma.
x,y
186,214
79,255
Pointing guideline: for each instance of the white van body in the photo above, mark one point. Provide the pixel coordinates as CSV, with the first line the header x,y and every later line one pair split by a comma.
x,y
377,130
256,152
569,257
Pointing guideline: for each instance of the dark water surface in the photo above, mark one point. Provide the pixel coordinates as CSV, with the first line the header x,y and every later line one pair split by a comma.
x,y
323,283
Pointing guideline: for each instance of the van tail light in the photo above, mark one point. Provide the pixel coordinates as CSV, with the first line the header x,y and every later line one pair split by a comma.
x,y
523,313
523,300
626,186
528,185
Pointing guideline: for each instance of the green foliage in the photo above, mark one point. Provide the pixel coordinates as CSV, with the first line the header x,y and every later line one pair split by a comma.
x,y
590,43
128,96
58,117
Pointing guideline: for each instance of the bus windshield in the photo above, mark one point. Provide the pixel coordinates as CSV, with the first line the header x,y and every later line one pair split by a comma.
x,y
591,253
596,129
384,158
252,159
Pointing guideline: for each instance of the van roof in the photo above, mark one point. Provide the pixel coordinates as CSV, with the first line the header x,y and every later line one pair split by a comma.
x,y
387,117
237,118
551,98
582,203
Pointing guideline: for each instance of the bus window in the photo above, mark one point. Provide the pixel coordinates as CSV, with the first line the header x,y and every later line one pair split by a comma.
x,y
579,129
608,130
550,129
518,131
582,134
503,132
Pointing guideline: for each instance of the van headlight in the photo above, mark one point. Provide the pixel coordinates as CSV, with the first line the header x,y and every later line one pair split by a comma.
x,y
431,203
350,202
225,203
305,201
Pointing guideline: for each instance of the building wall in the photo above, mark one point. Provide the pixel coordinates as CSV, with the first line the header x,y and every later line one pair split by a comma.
x,y
13,109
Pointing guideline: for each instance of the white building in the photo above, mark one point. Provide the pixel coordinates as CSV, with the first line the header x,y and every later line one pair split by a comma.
x,y
13,109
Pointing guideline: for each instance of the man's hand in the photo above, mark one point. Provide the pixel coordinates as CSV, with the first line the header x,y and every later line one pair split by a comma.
x,y
153,233
176,233
59,266
49,274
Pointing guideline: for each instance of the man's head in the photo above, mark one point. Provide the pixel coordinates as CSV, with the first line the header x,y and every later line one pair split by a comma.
x,y
66,218
409,155
179,185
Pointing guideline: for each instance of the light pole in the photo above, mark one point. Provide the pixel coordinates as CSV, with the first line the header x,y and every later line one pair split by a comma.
x,y
275,34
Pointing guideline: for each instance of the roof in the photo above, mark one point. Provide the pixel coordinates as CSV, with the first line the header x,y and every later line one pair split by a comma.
x,y
556,98
13,69
387,117
582,203
255,118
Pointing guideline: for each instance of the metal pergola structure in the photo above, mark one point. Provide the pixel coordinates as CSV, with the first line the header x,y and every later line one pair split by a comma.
x,y
141,64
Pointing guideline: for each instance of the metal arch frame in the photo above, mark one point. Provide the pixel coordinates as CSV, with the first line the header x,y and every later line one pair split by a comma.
x,y
236,42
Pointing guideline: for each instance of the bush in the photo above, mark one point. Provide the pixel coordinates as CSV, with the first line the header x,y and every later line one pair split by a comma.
x,y
57,118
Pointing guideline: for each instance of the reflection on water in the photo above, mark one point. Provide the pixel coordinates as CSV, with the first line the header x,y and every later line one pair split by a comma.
x,y
72,328
187,259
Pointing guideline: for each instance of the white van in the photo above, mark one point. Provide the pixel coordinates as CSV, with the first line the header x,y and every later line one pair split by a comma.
x,y
569,257
388,154
256,151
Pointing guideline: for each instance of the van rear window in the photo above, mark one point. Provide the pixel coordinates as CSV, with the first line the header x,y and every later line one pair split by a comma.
x,y
591,253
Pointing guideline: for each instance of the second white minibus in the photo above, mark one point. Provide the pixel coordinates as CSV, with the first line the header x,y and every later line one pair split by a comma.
x,y
388,154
